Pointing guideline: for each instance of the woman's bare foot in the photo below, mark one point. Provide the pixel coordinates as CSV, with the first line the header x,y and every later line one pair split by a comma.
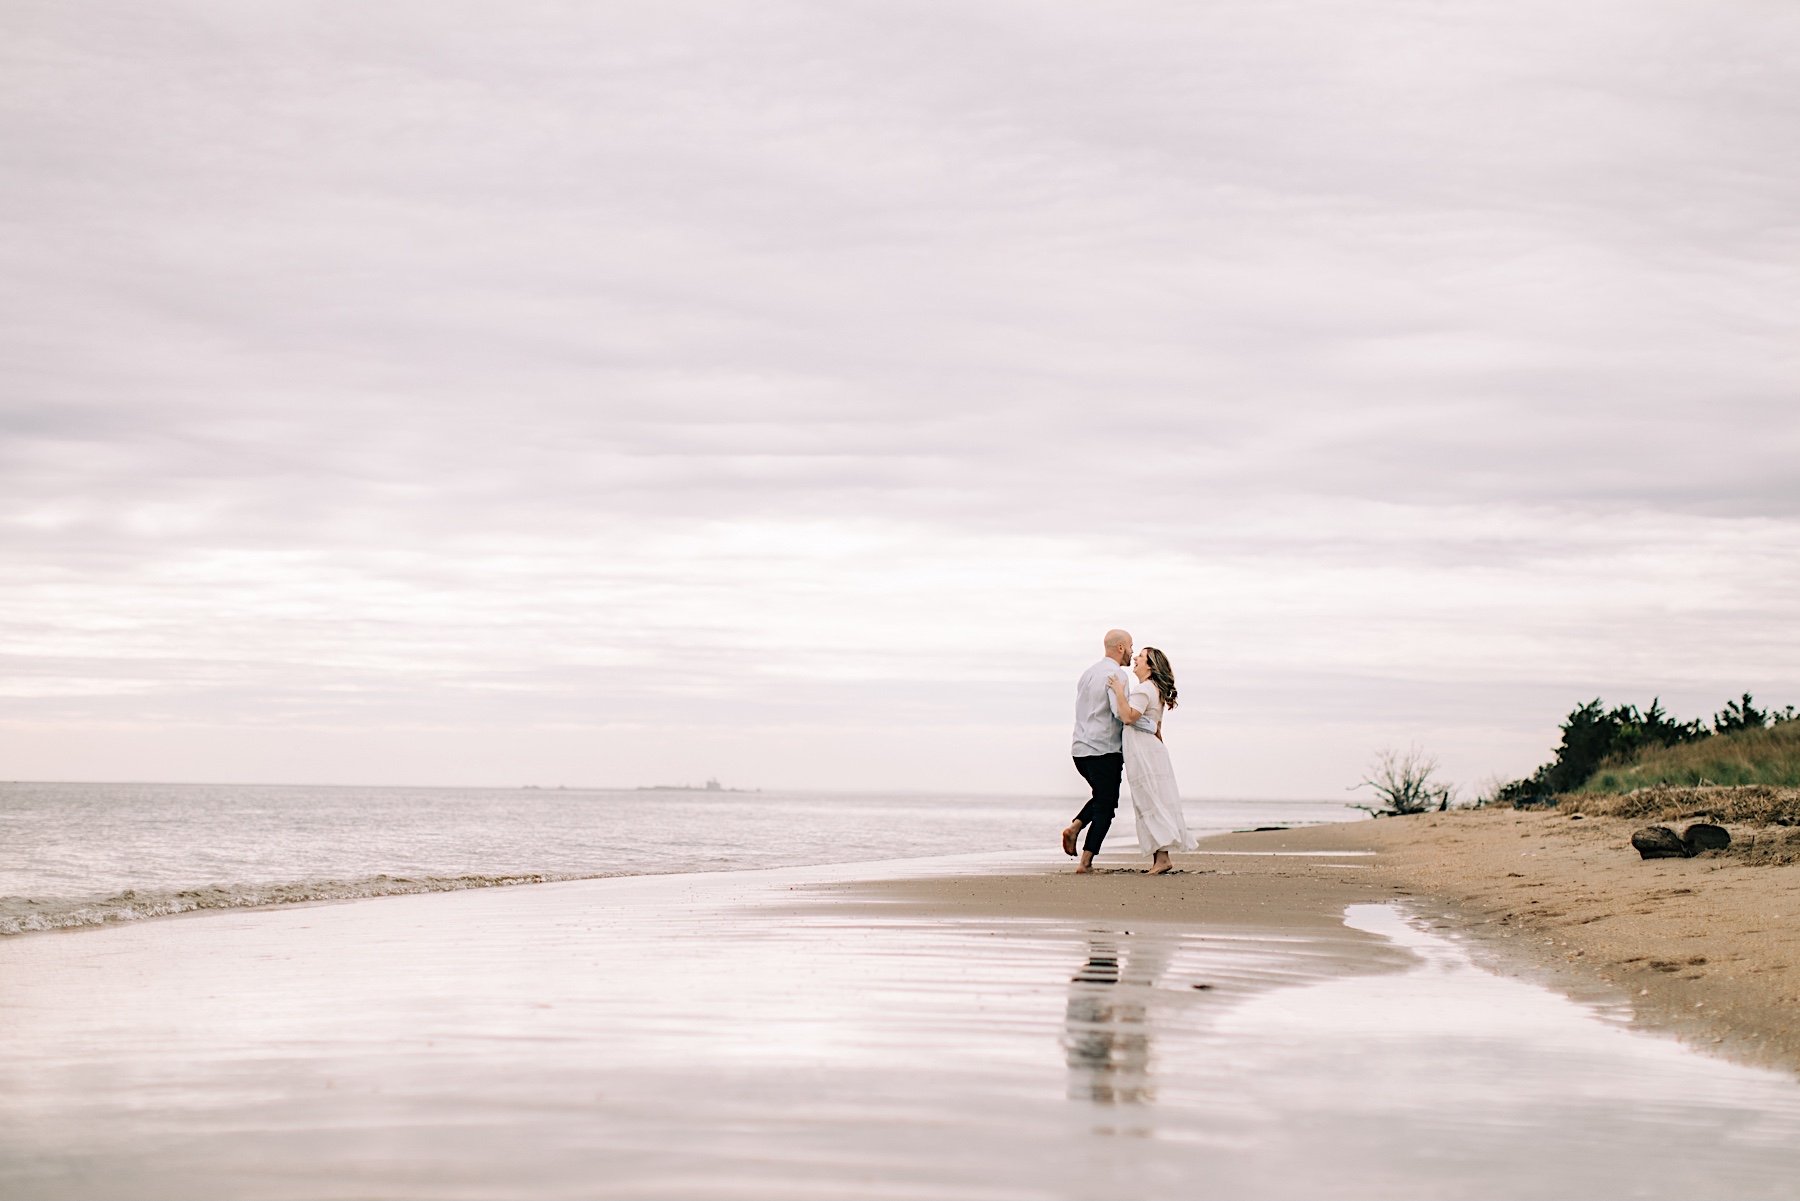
x,y
1160,864
1069,833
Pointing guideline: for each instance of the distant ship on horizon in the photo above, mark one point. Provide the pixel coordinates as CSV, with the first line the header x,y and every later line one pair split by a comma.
x,y
712,785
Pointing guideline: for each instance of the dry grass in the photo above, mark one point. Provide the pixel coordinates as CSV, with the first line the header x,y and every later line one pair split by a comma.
x,y
1768,845
1767,757
1764,821
1755,804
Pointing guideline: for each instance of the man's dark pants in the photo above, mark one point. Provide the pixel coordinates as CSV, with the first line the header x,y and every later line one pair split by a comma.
x,y
1102,773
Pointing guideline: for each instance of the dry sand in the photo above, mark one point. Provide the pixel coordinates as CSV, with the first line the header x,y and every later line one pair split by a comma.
x,y
1705,948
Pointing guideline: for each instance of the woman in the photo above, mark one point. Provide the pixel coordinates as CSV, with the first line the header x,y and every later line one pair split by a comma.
x,y
1154,796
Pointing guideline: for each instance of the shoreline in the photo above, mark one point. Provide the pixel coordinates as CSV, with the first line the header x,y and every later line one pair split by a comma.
x,y
1704,949
238,880
134,907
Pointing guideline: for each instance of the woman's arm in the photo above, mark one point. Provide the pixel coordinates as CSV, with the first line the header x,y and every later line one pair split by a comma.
x,y
1121,702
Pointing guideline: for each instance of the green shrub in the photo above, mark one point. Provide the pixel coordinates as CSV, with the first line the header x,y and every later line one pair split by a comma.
x,y
1618,749
1767,755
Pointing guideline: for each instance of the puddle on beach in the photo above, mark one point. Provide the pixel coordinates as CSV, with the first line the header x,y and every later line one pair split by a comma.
x,y
1289,854
685,1037
1438,1080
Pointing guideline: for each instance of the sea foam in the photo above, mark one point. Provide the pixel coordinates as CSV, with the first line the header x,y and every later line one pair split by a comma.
x,y
22,915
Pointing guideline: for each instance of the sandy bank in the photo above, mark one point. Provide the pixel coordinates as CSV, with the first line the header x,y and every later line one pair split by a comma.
x,y
1302,893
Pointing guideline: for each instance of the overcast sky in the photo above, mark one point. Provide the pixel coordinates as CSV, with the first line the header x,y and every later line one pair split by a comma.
x,y
482,393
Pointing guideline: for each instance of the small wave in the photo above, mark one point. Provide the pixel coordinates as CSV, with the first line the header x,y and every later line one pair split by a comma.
x,y
24,915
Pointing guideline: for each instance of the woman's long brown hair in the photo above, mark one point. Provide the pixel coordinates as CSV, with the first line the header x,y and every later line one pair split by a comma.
x,y
1162,675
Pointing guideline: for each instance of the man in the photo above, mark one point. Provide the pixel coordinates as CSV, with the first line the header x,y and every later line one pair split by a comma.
x,y
1099,748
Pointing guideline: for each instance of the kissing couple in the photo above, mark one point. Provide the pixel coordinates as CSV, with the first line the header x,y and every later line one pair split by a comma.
x,y
1118,728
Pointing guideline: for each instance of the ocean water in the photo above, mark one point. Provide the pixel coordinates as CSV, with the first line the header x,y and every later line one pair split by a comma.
x,y
88,854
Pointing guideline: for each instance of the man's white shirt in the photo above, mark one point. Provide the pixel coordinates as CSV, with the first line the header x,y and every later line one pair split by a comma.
x,y
1098,730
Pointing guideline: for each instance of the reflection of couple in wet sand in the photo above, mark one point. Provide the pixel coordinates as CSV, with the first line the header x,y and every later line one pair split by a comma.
x,y
1107,1027
1118,730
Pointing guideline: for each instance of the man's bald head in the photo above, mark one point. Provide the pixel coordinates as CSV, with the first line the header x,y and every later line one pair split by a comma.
x,y
1118,645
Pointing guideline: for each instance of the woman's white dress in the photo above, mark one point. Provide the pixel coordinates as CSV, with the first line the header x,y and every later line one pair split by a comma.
x,y
1154,796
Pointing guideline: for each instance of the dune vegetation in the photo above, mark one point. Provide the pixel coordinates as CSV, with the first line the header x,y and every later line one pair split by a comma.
x,y
1767,755
1646,766
1624,748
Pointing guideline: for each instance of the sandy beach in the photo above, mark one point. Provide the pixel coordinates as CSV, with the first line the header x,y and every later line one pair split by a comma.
x,y
581,580
1707,948
1369,1010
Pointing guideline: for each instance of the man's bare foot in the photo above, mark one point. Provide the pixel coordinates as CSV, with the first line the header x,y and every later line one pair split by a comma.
x,y
1087,864
1069,833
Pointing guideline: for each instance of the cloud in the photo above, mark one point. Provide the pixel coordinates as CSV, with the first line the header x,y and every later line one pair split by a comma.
x,y
591,367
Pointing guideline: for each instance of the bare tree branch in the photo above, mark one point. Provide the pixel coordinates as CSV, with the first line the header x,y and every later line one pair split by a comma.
x,y
1403,780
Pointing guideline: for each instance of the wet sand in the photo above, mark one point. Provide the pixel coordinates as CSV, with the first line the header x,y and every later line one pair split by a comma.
x,y
1706,949
1261,1025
